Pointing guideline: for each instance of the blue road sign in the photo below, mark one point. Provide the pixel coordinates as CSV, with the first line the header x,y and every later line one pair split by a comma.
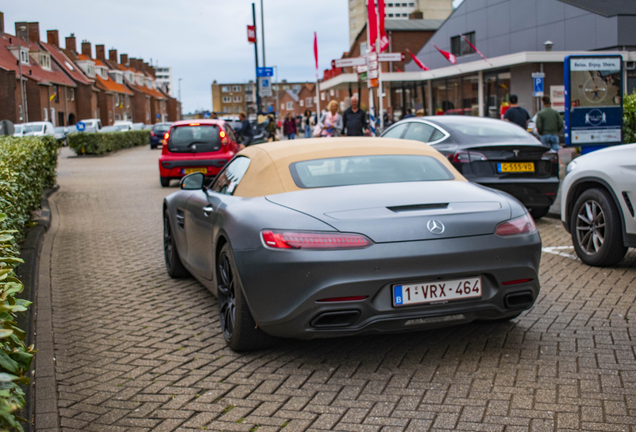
x,y
80,126
593,100
538,86
262,72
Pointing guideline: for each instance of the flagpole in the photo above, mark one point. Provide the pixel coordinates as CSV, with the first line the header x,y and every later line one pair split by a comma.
x,y
377,50
317,80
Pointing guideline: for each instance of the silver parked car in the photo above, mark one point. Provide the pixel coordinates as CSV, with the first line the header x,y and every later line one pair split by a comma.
x,y
347,236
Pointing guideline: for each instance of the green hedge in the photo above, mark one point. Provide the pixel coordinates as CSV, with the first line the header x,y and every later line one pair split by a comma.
x,y
629,119
27,168
96,143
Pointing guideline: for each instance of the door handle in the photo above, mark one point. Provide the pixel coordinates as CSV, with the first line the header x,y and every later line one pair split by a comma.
x,y
207,210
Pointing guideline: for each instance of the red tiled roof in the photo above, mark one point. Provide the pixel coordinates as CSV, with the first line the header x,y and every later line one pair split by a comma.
x,y
33,70
110,85
83,57
66,64
99,63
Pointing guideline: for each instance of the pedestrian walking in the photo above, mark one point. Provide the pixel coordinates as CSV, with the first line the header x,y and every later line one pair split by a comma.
x,y
246,133
330,124
549,124
308,123
409,114
515,114
354,120
289,127
271,129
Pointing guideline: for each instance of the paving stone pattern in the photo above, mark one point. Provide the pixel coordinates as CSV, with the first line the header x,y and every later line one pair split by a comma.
x,y
137,351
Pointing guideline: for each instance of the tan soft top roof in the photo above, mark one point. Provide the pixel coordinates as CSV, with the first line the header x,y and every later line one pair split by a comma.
x,y
269,172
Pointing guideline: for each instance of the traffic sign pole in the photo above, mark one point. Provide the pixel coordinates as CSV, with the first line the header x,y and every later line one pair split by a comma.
x,y
258,96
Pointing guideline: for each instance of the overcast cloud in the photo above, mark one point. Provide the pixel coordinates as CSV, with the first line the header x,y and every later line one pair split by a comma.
x,y
201,40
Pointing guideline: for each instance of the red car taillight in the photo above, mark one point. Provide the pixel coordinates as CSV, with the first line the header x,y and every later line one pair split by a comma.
x,y
309,240
551,156
521,225
467,157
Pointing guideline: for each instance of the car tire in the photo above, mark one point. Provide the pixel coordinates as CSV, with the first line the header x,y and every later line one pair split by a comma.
x,y
239,329
595,227
165,181
539,212
152,147
174,266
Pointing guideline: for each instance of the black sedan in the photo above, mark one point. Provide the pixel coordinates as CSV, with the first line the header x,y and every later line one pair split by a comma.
x,y
157,133
491,152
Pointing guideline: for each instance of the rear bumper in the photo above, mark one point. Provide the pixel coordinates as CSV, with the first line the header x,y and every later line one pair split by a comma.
x,y
532,193
174,167
282,288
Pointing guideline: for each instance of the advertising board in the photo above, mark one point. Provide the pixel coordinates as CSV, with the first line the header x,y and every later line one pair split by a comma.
x,y
593,100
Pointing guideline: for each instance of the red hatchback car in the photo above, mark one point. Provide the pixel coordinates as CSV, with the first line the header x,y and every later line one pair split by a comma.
x,y
196,146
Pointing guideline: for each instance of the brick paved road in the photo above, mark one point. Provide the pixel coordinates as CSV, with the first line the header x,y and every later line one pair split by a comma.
x,y
138,351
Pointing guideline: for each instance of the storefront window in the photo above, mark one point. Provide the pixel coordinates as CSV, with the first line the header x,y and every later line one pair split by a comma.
x,y
497,93
470,95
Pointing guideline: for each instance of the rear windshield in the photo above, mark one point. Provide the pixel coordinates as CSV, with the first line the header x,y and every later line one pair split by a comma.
x,y
195,139
33,128
358,170
161,128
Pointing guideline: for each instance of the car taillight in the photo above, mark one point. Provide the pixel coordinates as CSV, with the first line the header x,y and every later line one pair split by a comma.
x,y
521,225
313,240
468,156
551,156
223,136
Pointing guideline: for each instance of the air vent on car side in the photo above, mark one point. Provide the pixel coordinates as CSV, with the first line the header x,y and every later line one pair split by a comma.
x,y
630,207
416,207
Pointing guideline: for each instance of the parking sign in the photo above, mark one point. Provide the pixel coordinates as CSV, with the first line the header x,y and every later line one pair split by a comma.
x,y
537,78
264,87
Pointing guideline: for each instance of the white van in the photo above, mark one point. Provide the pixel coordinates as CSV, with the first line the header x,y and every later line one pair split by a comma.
x,y
92,125
38,129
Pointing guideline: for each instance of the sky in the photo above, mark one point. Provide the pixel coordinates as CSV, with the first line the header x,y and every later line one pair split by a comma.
x,y
201,40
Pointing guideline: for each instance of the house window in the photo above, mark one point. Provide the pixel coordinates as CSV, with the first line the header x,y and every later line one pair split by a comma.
x,y
57,94
285,87
389,5
71,94
459,47
227,99
237,109
249,99
390,15
411,4
322,96
332,92
236,88
404,15
238,99
46,114
296,87
282,106
301,103
225,89
227,109
290,106
310,102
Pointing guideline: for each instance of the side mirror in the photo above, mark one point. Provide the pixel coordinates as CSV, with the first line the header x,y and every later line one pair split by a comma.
x,y
192,181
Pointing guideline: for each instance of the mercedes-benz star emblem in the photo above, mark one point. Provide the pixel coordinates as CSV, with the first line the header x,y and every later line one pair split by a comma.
x,y
435,226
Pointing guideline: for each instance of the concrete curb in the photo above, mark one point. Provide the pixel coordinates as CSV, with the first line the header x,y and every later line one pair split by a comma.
x,y
30,273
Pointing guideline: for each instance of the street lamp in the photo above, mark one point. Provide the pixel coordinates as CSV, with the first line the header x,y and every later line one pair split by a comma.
x,y
22,98
180,89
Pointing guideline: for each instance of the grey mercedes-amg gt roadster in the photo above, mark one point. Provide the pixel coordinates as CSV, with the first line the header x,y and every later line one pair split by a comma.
x,y
323,238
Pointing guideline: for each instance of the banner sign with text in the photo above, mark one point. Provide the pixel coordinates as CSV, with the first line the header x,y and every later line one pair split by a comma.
x,y
593,100
251,34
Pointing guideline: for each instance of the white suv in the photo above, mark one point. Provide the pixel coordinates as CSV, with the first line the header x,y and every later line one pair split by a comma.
x,y
598,196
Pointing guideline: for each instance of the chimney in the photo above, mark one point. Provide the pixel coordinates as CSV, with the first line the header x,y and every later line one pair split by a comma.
x,y
112,55
86,49
22,34
1,24
152,72
71,43
34,32
123,59
416,15
53,38
133,62
100,52
146,67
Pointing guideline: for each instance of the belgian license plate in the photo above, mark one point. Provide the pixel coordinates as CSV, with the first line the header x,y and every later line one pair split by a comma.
x,y
195,170
430,292
515,167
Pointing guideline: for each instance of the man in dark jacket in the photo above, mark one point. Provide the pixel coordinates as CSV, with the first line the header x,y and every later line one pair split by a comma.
x,y
246,130
354,120
515,114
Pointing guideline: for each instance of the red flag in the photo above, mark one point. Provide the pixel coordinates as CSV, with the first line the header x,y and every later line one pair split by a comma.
x,y
373,26
417,62
384,39
450,57
316,51
251,34
474,47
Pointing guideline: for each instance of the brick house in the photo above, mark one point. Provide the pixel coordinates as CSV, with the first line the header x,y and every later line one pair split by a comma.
x,y
289,103
46,85
115,98
86,95
306,98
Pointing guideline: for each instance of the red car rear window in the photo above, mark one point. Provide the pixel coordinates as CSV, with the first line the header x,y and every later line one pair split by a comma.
x,y
194,139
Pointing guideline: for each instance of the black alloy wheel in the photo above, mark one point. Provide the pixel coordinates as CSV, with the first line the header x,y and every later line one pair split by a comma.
x,y
227,298
174,266
240,330
596,229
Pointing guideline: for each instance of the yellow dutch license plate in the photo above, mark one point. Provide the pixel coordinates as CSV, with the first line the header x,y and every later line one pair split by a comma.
x,y
516,167
195,170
